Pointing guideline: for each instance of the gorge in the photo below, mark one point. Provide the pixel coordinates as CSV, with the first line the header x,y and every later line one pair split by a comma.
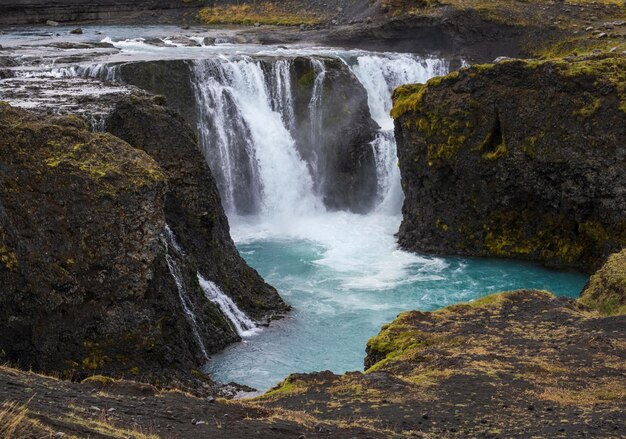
x,y
290,149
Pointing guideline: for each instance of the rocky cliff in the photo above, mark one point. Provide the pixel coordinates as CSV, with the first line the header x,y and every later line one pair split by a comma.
x,y
193,209
521,159
92,283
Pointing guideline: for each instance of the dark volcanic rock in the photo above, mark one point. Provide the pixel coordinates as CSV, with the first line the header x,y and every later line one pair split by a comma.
x,y
85,266
519,159
193,208
338,149
14,12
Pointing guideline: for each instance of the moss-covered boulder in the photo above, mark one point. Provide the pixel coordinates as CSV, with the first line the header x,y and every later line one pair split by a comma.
x,y
521,159
606,289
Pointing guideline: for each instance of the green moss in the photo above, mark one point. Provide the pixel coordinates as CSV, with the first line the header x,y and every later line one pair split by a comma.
x,y
8,258
307,79
95,358
289,386
588,110
400,340
599,71
500,151
407,98
606,290
548,237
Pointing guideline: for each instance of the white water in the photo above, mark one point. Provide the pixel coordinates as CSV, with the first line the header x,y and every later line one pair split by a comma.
x,y
243,325
380,75
170,243
245,109
240,322
246,139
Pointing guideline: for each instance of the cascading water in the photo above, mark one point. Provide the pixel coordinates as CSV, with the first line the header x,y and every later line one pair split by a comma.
x,y
342,272
240,322
243,325
169,240
246,140
380,75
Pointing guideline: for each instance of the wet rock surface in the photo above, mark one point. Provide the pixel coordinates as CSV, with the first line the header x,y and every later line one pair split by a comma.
x,y
339,149
519,159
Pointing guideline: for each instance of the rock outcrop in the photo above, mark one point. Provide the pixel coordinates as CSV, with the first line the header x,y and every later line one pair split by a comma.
x,y
193,209
339,148
92,281
520,159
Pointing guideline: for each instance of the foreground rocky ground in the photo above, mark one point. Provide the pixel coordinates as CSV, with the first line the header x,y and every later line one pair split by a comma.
x,y
515,364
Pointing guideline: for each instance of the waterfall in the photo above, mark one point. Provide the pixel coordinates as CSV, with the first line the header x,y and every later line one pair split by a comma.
x,y
242,324
103,72
170,243
280,90
315,111
246,140
380,75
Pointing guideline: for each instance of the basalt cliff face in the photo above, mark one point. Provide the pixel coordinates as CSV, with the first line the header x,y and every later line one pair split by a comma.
x,y
521,159
92,281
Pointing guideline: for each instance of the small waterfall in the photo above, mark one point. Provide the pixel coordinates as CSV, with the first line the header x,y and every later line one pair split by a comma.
x,y
315,111
242,324
169,239
103,72
280,90
380,75
246,140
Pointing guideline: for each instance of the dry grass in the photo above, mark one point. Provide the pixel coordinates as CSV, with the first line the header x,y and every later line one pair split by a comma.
x,y
269,13
104,426
596,394
15,423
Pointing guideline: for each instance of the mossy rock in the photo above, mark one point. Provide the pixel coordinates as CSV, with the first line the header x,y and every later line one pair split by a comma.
x,y
606,289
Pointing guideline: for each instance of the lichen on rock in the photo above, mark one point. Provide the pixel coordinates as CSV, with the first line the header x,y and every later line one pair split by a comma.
x,y
519,159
